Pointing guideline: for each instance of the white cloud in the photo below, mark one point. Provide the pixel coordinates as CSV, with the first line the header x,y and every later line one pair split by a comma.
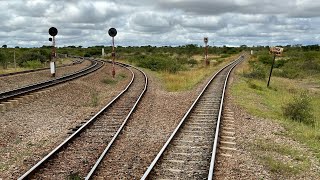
x,y
160,22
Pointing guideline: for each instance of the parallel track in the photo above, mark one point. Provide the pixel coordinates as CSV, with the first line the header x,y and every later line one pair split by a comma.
x,y
5,96
77,154
190,151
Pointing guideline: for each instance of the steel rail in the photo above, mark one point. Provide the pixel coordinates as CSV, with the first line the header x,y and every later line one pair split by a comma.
x,y
100,159
149,169
33,169
217,131
41,85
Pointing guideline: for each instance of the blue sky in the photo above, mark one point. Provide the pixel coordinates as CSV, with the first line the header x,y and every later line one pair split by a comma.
x,y
25,23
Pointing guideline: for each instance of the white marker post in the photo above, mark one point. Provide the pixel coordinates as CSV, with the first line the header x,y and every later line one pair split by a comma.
x,y
102,52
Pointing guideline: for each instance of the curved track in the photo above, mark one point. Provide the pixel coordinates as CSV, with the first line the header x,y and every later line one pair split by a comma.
x,y
190,151
75,157
5,96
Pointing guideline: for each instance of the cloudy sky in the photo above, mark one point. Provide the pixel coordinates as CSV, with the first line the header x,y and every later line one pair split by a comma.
x,y
25,23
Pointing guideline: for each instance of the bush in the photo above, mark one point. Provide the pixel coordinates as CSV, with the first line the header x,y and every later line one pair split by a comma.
x,y
257,71
224,55
192,62
30,56
3,61
299,109
279,63
158,63
34,64
265,59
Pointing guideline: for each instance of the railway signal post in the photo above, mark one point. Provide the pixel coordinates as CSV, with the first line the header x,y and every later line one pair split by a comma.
x,y
113,32
276,51
206,50
53,32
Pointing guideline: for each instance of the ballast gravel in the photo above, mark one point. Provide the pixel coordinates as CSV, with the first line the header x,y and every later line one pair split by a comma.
x,y
30,131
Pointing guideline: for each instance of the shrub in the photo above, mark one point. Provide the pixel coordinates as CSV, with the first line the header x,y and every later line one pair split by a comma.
x,y
33,64
265,59
224,55
299,109
3,61
253,85
257,71
279,63
157,63
192,62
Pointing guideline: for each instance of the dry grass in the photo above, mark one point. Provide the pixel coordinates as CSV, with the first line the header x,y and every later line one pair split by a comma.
x,y
186,80
11,70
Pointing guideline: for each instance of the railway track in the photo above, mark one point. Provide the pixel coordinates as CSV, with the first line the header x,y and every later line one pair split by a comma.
x,y
9,95
77,155
190,151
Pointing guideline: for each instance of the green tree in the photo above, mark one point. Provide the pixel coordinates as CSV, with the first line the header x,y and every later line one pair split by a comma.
x,y
3,60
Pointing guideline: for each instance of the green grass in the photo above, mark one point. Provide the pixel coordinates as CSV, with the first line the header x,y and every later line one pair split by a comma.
x,y
109,81
12,69
112,81
94,99
74,176
257,99
272,155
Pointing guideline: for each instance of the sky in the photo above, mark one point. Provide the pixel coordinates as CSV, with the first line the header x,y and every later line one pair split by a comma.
x,y
25,23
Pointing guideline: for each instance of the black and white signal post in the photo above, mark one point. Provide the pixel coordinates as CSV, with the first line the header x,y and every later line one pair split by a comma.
x,y
53,32
113,32
205,39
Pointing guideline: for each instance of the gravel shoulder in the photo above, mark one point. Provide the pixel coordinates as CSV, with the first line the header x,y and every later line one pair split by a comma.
x,y
264,151
15,81
30,131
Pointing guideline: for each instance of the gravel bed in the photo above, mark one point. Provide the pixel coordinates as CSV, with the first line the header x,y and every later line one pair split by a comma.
x,y
245,163
146,131
30,131
157,115
15,81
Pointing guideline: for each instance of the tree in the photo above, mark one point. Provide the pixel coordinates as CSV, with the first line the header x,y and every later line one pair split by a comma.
x,y
4,46
3,60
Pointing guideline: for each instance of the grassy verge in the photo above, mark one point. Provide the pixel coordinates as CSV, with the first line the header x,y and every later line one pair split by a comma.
x,y
257,99
280,158
11,70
